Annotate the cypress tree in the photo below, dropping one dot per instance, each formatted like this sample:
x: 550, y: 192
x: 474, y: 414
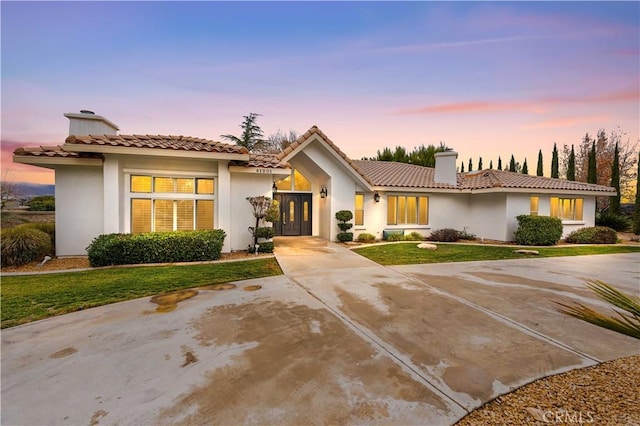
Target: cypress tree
x: 636, y: 212
x: 491, y: 164
x: 592, y: 169
x: 571, y: 167
x: 470, y: 165
x: 512, y: 164
x: 480, y: 163
x: 554, y: 162
x: 462, y: 168
x: 540, y: 170
x: 614, y: 204
x: 525, y: 168
x: 499, y: 163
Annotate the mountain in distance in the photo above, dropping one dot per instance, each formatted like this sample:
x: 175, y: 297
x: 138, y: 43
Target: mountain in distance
x: 26, y: 189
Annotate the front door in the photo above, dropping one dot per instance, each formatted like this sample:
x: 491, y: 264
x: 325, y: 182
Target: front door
x: 295, y: 214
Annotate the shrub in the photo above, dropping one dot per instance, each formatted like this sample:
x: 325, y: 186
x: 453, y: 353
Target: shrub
x: 43, y: 203
x: 538, y: 230
x: 343, y: 237
x: 344, y: 215
x: 46, y: 227
x: 265, y: 247
x: 395, y: 237
x: 593, y: 235
x: 365, y: 237
x: 155, y: 247
x: 22, y: 245
x: 446, y: 235
x: 265, y: 232
x: 614, y: 221
x: 466, y: 235
x: 414, y: 236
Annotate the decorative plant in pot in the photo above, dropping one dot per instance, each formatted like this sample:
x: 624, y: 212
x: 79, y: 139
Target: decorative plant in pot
x: 343, y: 217
x: 264, y: 210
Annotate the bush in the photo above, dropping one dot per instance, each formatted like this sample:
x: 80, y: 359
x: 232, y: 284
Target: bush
x: 395, y: 237
x: 265, y: 232
x: 446, y: 235
x: 344, y: 215
x: 617, y: 222
x: 414, y: 236
x: 22, y: 245
x: 466, y: 235
x: 343, y: 237
x: 265, y: 247
x: 43, y: 203
x: 365, y: 237
x: 538, y: 230
x: 155, y: 247
x: 593, y: 235
x: 46, y: 227
x: 344, y: 227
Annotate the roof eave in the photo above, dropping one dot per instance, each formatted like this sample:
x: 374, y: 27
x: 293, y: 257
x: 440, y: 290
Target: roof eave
x: 52, y: 162
x: 158, y: 152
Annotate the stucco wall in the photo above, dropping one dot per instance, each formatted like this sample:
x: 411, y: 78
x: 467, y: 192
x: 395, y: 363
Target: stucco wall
x: 244, y: 185
x: 79, y: 208
x: 487, y: 216
x: 517, y: 204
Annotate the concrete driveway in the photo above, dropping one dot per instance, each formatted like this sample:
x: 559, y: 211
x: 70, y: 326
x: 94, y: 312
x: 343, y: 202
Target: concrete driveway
x: 338, y: 340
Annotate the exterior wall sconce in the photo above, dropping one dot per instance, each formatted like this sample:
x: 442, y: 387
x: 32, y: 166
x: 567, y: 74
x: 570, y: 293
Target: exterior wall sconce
x: 323, y: 191
x: 376, y: 197
x: 274, y: 187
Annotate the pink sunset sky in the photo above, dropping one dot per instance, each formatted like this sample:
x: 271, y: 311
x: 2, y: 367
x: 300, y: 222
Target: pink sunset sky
x: 488, y: 79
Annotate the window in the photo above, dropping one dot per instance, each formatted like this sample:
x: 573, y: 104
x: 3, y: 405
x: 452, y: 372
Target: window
x: 403, y: 210
x: 567, y: 208
x: 299, y: 183
x: 535, y: 201
x: 163, y: 203
x: 359, y: 216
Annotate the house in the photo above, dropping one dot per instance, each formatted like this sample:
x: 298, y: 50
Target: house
x: 107, y: 183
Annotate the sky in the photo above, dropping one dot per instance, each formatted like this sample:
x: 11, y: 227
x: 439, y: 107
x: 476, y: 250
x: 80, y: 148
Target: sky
x: 488, y: 79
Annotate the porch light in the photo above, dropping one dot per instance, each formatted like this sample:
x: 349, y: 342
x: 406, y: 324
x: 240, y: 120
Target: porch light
x: 274, y: 187
x: 323, y: 191
x: 376, y: 197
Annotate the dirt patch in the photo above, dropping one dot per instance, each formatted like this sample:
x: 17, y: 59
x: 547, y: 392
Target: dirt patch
x: 169, y: 301
x: 63, y: 352
x: 95, y: 419
x: 444, y: 336
x: 55, y: 264
x: 252, y: 287
x: 293, y: 376
x: 217, y: 287
x: 189, y: 357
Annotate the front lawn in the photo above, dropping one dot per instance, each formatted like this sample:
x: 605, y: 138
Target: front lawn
x: 405, y: 253
x: 29, y: 298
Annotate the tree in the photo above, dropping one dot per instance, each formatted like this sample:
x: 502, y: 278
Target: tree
x: 261, y: 207
x: 525, y: 168
x: 512, y: 164
x: 480, y: 163
x: 614, y: 203
x: 277, y: 142
x: 491, y: 164
x: 421, y: 156
x: 42, y: 203
x: 592, y: 170
x: 470, y: 164
x: 499, y: 163
x: 252, y: 134
x: 571, y: 166
x: 636, y: 211
x: 540, y: 170
x: 554, y: 162
x: 462, y: 168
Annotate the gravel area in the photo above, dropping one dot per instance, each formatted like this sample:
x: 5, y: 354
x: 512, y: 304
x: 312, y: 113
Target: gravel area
x: 605, y: 394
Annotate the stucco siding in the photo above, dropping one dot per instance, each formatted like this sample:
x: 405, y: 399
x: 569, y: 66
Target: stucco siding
x: 244, y: 185
x: 79, y: 208
x: 517, y: 204
x: 488, y: 213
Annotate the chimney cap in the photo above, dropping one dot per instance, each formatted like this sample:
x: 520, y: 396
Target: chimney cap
x: 86, y: 111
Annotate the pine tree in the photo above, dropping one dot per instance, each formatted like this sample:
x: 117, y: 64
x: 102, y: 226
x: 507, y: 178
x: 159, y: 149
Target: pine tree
x: 592, y: 168
x: 252, y: 135
x: 525, y: 168
x: 554, y: 162
x: 491, y: 164
x: 480, y: 163
x: 636, y: 212
x: 470, y: 164
x: 499, y: 163
x: 461, y: 167
x: 512, y: 164
x: 540, y: 170
x: 614, y: 204
x: 571, y: 166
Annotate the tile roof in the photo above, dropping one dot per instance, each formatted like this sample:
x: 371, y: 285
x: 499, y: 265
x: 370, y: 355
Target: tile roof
x: 400, y: 175
x: 262, y: 161
x: 52, y: 151
x: 184, y: 143
x: 500, y: 178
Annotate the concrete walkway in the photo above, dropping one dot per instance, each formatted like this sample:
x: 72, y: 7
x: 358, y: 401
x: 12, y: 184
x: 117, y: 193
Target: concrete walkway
x: 338, y: 339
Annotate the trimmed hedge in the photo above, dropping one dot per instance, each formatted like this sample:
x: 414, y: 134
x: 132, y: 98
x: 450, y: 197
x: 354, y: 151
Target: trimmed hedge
x: 343, y: 237
x: 156, y: 247
x: 538, y: 230
x: 593, y: 235
x: 265, y: 232
x: 266, y: 247
x: 24, y: 244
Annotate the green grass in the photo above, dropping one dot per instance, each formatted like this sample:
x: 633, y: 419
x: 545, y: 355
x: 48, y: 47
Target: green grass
x: 29, y: 298
x: 404, y: 254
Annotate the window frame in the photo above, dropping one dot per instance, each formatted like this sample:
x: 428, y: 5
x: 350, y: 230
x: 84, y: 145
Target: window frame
x: 404, y: 205
x: 559, y: 205
x: 356, y: 210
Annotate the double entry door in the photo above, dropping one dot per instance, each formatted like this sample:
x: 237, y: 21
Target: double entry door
x: 295, y: 214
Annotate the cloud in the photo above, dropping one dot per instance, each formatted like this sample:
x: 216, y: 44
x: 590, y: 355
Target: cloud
x: 452, y: 44
x: 566, y: 122
x: 535, y: 105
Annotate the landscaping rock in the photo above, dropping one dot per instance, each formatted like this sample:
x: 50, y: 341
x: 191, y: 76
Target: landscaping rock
x: 532, y: 252
x: 427, y: 246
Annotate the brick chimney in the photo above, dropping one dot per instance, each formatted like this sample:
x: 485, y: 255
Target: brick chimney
x: 88, y: 123
x: 446, y: 167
